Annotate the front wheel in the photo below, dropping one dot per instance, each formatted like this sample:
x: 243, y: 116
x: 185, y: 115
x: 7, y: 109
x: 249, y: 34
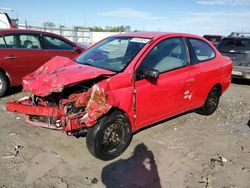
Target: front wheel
x: 211, y: 102
x: 110, y: 136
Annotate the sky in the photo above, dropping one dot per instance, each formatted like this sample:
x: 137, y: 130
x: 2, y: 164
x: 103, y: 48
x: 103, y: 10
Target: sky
x: 188, y: 16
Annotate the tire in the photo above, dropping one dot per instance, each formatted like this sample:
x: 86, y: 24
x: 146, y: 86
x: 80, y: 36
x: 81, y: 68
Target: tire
x: 110, y: 136
x: 3, y: 84
x: 211, y: 102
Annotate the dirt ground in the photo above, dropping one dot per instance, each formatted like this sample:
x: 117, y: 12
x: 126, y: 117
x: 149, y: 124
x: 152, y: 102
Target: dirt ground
x: 187, y: 151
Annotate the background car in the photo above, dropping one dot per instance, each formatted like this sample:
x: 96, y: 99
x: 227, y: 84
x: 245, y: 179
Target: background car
x: 23, y: 51
x: 237, y: 47
x: 214, y: 39
x: 122, y: 84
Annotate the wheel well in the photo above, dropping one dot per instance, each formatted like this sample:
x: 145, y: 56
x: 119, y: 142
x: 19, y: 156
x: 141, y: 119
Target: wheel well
x: 117, y: 109
x: 4, y: 72
x: 219, y: 87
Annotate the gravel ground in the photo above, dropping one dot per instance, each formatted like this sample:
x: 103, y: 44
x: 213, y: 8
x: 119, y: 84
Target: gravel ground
x: 186, y: 151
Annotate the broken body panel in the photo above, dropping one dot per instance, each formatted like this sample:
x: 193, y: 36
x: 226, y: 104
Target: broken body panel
x: 78, y: 110
x: 70, y: 96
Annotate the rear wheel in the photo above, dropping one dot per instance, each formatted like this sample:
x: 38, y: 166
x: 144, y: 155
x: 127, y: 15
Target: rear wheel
x: 3, y: 84
x: 211, y: 103
x: 110, y: 136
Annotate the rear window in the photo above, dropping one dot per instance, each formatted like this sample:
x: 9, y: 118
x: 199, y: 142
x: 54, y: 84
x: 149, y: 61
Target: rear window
x: 235, y: 44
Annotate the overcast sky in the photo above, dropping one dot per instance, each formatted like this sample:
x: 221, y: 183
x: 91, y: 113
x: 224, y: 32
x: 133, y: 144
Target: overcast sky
x: 190, y: 16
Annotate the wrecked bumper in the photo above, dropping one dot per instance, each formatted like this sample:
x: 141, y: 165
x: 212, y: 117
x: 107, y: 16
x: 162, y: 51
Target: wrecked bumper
x: 77, y: 112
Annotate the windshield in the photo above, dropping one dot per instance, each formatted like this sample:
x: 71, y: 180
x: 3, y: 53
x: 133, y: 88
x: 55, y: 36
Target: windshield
x: 235, y: 44
x: 114, y: 53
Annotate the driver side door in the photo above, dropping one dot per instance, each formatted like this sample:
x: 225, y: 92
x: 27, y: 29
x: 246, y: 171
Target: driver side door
x: 163, y: 97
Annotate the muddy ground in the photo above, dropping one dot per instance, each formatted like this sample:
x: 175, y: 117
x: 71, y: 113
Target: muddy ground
x: 186, y: 151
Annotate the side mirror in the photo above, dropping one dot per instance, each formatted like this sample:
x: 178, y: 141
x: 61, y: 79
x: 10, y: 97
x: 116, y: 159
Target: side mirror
x: 77, y: 50
x: 151, y: 73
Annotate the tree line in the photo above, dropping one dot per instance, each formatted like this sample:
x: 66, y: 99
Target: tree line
x: 121, y: 28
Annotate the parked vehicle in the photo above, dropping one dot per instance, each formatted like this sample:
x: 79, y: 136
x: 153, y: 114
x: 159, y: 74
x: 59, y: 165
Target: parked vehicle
x: 214, y: 39
x: 6, y: 22
x: 23, y: 51
x: 237, y: 47
x: 122, y: 84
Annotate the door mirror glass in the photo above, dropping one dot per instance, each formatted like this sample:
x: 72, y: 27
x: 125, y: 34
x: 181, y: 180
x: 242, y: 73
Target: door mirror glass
x: 151, y: 73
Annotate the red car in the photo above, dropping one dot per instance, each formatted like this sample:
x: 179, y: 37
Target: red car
x: 122, y: 84
x: 23, y: 51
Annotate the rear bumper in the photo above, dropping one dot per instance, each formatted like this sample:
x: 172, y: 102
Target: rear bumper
x: 241, y: 72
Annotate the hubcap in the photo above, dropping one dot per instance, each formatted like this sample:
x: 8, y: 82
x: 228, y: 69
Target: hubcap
x: 112, y: 137
x: 1, y: 84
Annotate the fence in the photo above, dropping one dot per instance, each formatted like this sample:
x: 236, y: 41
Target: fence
x: 78, y: 35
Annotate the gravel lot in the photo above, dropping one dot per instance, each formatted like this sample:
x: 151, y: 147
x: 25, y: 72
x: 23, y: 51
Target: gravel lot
x: 186, y: 151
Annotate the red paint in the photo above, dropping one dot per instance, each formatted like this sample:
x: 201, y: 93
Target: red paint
x: 144, y: 101
x: 54, y: 76
x: 16, y: 62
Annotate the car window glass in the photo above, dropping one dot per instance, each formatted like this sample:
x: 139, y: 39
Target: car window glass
x: 114, y: 53
x: 2, y: 43
x: 119, y: 46
x: 202, y: 50
x: 167, y: 55
x: 29, y: 42
x: 56, y: 44
x: 10, y: 42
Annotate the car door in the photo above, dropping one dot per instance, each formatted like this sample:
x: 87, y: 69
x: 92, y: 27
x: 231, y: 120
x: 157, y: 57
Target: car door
x: 171, y: 92
x: 22, y: 55
x: 58, y: 47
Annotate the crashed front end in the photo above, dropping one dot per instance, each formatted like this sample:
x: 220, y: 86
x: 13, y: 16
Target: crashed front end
x: 74, y: 114
x: 62, y: 102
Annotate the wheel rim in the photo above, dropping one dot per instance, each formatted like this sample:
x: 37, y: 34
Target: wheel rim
x: 112, y: 137
x: 1, y: 84
x: 213, y: 99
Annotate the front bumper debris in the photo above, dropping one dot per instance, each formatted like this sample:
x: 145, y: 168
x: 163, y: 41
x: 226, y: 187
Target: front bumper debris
x: 78, y: 111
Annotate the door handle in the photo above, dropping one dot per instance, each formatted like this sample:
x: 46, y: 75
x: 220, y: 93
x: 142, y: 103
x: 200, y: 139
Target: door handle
x: 10, y: 57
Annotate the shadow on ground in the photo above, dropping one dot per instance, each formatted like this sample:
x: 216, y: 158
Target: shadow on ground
x: 140, y: 170
x: 13, y: 90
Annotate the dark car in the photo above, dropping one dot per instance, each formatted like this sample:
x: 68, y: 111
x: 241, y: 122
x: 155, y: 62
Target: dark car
x: 237, y: 47
x: 123, y: 84
x: 23, y: 51
x: 214, y: 39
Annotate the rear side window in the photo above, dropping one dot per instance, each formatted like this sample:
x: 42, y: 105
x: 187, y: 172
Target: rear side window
x: 203, y: 51
x: 56, y: 43
x: 235, y: 44
x: 2, y: 43
x: 29, y: 42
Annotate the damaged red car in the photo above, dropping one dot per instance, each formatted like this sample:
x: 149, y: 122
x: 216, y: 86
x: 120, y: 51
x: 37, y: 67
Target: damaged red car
x: 122, y: 84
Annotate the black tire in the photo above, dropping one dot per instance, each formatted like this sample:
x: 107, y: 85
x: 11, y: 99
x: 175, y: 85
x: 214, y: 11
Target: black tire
x: 211, y: 102
x: 110, y: 136
x: 3, y: 84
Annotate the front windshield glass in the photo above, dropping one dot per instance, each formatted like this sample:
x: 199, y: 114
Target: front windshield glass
x: 113, y: 54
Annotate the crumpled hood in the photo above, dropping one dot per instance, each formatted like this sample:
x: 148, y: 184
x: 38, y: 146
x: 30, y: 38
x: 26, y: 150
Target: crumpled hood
x: 59, y: 73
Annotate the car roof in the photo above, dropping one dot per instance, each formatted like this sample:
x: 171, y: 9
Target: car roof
x: 155, y: 35
x: 5, y: 31
x: 11, y: 31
